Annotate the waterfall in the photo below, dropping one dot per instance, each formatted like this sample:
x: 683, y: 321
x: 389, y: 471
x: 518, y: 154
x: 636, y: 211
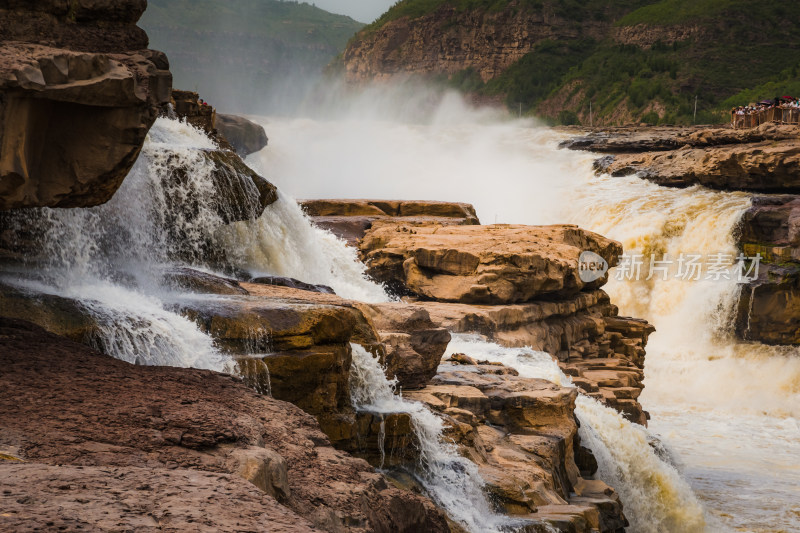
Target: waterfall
x: 655, y: 497
x: 111, y: 258
x: 283, y: 242
x: 451, y: 480
x: 729, y: 409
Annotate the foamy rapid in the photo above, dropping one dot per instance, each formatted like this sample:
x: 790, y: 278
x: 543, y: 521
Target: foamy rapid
x: 655, y: 497
x: 111, y: 258
x: 714, y: 399
x: 452, y: 481
x: 284, y: 243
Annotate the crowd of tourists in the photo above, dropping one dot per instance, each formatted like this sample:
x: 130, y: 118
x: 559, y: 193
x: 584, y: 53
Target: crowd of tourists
x: 781, y: 109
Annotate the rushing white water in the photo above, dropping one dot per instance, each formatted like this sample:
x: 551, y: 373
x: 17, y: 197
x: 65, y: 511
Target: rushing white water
x: 729, y: 409
x: 452, y: 481
x: 283, y: 242
x: 111, y: 258
x: 655, y: 497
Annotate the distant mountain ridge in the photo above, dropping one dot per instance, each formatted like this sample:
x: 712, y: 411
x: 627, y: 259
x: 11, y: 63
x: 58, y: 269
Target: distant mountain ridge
x: 246, y: 55
x: 582, y: 61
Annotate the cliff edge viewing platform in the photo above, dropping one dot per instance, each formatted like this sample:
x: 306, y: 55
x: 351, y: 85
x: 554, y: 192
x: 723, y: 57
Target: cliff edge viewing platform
x: 781, y: 110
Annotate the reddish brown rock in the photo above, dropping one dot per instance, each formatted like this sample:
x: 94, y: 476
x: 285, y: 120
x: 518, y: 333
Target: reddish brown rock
x: 413, y: 343
x: 78, y: 94
x: 179, y: 438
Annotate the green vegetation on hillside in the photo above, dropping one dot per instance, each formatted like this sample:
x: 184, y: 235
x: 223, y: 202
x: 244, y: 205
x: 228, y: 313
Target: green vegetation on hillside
x: 575, y: 9
x: 241, y: 53
x: 669, y: 12
x: 717, y: 53
x: 786, y: 84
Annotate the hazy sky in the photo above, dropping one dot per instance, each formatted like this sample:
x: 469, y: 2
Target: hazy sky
x: 361, y: 10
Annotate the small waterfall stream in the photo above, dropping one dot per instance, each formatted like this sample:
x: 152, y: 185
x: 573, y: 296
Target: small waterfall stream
x: 655, y: 497
x: 451, y: 480
x: 111, y: 259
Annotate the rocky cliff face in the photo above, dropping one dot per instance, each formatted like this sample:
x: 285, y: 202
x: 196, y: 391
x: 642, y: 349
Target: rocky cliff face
x: 78, y: 93
x: 450, y: 40
x: 585, y: 62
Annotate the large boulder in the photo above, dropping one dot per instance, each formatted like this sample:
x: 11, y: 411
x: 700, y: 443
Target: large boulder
x: 78, y: 94
x: 499, y: 264
x: 413, y: 344
x: 245, y: 136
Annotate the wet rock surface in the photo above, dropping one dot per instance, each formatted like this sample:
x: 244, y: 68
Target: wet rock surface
x: 768, y: 310
x: 239, y: 193
x: 78, y: 94
x: 602, y: 352
x: 186, y: 449
x: 522, y: 433
x: 292, y: 284
x: 769, y: 306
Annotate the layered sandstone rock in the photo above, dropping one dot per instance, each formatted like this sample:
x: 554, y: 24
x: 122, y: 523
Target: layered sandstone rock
x: 603, y: 353
x: 450, y: 39
x: 409, y: 344
x: 544, y: 304
x: 413, y: 343
x: 351, y: 219
x: 665, y: 138
x: 764, y: 167
x: 765, y: 159
x: 78, y: 94
x: 522, y: 434
x: 498, y: 264
x: 74, y: 456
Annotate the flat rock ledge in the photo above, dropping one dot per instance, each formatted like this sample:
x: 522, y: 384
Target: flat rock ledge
x: 764, y: 159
